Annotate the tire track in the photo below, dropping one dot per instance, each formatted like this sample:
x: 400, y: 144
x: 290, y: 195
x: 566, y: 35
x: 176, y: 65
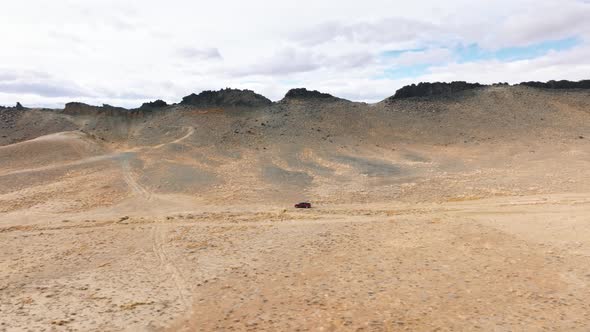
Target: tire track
x: 80, y: 162
x: 182, y: 288
x: 135, y: 187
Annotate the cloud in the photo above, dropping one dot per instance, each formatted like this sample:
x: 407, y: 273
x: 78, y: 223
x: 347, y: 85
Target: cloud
x: 570, y: 64
x: 41, y: 89
x: 289, y: 61
x: 106, y: 14
x: 66, y: 36
x: 507, y: 24
x: 200, y: 53
x: 352, y: 60
x: 425, y: 56
x: 395, y: 29
x: 547, y: 20
x: 38, y: 83
x: 286, y: 61
x: 7, y: 76
x: 125, y: 52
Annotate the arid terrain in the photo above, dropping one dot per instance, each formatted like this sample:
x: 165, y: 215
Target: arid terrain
x: 461, y: 211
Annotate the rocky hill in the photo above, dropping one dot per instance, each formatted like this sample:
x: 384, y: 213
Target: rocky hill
x: 561, y: 85
x: 154, y: 105
x: 426, y: 89
x: 433, y: 89
x: 226, y: 98
x: 76, y: 108
x: 304, y: 94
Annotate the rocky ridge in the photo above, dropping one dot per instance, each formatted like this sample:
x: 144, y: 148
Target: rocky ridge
x: 226, y: 98
x: 76, y: 108
x: 433, y: 89
x: 236, y: 98
x: 585, y: 84
x: 153, y: 105
x: 304, y: 94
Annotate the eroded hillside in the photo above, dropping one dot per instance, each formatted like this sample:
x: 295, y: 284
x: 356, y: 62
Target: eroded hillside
x: 498, y: 140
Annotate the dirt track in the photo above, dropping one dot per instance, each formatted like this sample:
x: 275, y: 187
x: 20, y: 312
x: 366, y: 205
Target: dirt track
x: 455, y: 266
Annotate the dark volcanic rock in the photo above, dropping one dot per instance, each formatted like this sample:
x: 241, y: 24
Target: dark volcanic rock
x: 19, y: 107
x: 75, y: 108
x: 585, y: 84
x: 9, y: 117
x: 154, y: 104
x: 226, y: 98
x: 433, y: 89
x: 303, y: 93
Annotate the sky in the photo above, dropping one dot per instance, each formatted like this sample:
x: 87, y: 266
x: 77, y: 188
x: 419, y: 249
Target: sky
x: 126, y: 52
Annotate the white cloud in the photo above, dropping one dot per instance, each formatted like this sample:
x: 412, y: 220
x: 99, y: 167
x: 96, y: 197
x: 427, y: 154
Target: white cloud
x: 38, y: 83
x: 429, y: 56
x: 572, y: 64
x: 286, y: 61
x: 541, y: 21
x: 126, y: 52
x: 200, y: 53
x: 388, y: 30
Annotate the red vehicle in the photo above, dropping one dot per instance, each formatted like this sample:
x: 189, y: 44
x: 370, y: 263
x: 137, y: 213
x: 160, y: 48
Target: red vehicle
x: 303, y: 205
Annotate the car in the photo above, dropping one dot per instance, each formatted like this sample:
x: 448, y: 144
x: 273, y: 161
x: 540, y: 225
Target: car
x: 303, y: 205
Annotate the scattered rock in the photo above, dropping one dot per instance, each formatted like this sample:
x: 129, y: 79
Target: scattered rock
x: 61, y: 322
x: 133, y: 305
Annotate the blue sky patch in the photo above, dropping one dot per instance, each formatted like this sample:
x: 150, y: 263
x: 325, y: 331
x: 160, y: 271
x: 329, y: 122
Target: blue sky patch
x: 474, y: 53
x: 397, y: 53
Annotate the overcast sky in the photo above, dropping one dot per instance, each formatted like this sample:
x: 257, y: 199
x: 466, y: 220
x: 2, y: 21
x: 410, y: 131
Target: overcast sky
x: 126, y: 52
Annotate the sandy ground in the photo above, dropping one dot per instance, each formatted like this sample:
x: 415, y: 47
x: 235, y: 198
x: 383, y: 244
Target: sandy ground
x: 503, y: 264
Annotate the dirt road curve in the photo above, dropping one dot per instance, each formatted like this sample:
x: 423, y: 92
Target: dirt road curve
x: 189, y: 132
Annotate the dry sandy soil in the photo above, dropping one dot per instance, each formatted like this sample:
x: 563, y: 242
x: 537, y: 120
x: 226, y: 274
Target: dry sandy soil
x: 469, y: 212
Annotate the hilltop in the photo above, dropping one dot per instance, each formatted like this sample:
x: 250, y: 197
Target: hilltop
x: 226, y: 98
